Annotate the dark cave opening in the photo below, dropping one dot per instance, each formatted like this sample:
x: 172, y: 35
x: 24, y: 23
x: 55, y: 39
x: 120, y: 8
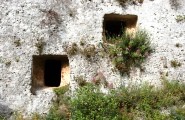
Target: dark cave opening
x: 52, y: 73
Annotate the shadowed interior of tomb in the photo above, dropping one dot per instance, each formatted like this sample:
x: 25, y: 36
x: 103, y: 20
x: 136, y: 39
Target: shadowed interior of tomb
x: 114, y: 28
x: 50, y: 71
x: 115, y: 24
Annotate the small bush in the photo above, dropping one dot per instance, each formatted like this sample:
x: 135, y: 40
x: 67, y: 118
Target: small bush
x: 129, y: 50
x: 91, y: 104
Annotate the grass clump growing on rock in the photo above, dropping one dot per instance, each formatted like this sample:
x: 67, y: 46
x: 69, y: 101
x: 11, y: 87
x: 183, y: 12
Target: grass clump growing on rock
x: 129, y: 51
x: 175, y: 64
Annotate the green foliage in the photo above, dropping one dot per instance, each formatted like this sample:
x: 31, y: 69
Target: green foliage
x: 91, y: 104
x: 178, y: 114
x: 124, y: 103
x: 2, y: 118
x: 129, y: 50
x: 61, y: 106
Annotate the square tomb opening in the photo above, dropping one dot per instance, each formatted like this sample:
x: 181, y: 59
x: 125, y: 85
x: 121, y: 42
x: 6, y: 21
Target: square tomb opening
x: 50, y: 71
x: 116, y: 25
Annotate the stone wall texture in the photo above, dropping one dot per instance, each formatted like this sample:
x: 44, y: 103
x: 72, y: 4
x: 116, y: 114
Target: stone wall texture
x: 56, y: 24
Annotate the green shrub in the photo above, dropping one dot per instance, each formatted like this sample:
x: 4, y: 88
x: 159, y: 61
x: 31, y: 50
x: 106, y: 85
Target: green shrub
x: 124, y: 103
x: 61, y: 106
x: 129, y: 50
x: 178, y: 114
x: 91, y: 104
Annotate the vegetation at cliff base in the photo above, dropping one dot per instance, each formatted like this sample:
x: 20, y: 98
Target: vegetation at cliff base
x: 144, y: 102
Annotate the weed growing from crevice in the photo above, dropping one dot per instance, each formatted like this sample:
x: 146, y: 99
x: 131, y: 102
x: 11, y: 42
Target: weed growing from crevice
x: 80, y: 81
x: 128, y: 51
x: 86, y: 50
x: 40, y: 45
x: 175, y: 64
x: 178, y: 45
x: 73, y: 49
x: 17, y: 43
x: 8, y: 63
x: 124, y: 3
x: 89, y: 51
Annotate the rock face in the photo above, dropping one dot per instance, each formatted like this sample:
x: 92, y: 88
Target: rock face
x: 5, y: 111
x: 46, y: 28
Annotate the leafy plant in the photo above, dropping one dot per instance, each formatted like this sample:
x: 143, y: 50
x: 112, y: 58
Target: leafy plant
x: 129, y: 50
x: 91, y: 104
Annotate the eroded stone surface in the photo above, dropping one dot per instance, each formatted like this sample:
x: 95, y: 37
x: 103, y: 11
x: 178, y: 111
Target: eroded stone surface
x: 57, y: 23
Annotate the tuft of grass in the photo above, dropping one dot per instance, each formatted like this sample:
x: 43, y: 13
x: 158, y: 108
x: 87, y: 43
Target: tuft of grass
x: 89, y: 51
x: 40, y: 46
x: 73, y: 49
x: 180, y: 18
x: 129, y: 51
x: 178, y: 45
x: 17, y: 43
x: 175, y: 63
x: 134, y: 2
x: 80, y: 81
x: 8, y: 63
